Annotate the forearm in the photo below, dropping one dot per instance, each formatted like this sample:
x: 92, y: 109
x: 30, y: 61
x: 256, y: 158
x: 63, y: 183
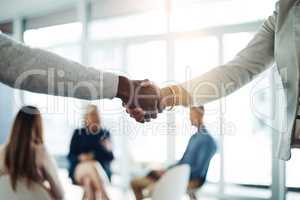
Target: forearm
x: 40, y: 71
x: 103, y: 154
x: 50, y: 171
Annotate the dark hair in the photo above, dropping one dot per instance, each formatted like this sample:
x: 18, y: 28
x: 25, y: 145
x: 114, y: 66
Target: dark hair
x: 20, y: 153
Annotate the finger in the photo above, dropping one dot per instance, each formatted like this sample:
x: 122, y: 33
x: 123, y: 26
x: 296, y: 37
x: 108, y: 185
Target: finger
x: 135, y: 113
x: 138, y: 114
x: 153, y: 115
x: 147, y: 117
x: 142, y: 121
x: 140, y: 118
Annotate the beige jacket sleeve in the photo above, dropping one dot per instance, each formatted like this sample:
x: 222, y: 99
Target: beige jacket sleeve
x: 256, y: 57
x: 40, y: 71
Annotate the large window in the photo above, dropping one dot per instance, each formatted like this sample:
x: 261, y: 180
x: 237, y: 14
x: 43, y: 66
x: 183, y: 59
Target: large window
x: 53, y: 35
x: 148, y: 60
x: 194, y: 57
x: 60, y: 115
x: 244, y: 134
x: 248, y: 145
x: 106, y: 56
x: 149, y: 23
x: 173, y: 44
x: 204, y: 14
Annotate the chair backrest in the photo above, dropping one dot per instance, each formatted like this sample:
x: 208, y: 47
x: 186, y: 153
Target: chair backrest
x: 36, y: 191
x: 173, y: 184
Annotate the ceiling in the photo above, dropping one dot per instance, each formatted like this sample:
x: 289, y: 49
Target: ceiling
x: 10, y: 9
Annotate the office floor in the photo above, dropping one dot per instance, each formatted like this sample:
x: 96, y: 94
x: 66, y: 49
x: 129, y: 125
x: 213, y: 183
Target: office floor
x: 208, y: 192
x: 73, y: 192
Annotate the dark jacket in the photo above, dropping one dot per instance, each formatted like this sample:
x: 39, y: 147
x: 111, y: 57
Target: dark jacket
x: 85, y: 142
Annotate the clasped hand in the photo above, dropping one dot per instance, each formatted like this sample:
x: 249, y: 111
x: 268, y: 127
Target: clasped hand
x: 141, y: 98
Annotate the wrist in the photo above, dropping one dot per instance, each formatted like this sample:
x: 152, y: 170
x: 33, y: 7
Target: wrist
x: 174, y: 95
x: 123, y: 89
x: 167, y: 97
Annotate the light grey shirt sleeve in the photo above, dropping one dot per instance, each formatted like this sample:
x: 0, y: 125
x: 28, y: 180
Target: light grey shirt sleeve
x: 40, y: 71
x: 257, y: 56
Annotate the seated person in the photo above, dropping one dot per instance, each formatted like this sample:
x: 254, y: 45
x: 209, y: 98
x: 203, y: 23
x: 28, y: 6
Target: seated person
x: 200, y: 150
x: 25, y: 157
x: 91, y: 155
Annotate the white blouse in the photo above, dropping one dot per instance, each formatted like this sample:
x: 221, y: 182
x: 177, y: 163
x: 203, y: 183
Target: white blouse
x: 47, y: 168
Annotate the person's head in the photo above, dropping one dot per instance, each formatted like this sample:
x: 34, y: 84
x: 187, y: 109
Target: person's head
x: 20, y: 152
x: 92, y: 119
x: 196, y: 116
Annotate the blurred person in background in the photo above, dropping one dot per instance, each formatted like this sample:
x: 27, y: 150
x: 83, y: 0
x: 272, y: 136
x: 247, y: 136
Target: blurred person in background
x: 198, y: 154
x: 25, y: 158
x: 91, y: 155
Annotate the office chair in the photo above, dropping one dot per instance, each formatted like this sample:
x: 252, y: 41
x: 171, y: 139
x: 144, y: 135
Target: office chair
x: 36, y: 191
x: 173, y: 184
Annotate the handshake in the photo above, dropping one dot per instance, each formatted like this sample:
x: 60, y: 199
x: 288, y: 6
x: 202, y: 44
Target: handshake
x: 143, y: 100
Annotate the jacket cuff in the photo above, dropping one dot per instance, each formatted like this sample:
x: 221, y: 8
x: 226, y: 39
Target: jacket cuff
x: 110, y: 85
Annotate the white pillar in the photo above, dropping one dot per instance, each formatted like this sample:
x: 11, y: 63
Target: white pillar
x: 84, y: 13
x: 221, y: 118
x: 18, y: 29
x: 7, y: 93
x: 278, y: 166
x: 171, y: 118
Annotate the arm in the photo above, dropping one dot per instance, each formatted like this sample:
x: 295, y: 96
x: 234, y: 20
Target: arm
x: 50, y: 173
x: 223, y: 80
x: 40, y: 71
x: 101, y: 153
x: 189, y: 153
x: 104, y: 150
x: 73, y: 153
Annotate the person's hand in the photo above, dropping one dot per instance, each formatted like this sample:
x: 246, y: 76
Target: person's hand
x: 141, y: 98
x: 156, y: 174
x: 107, y: 144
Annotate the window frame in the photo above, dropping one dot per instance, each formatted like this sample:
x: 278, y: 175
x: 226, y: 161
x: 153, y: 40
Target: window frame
x: 278, y: 167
